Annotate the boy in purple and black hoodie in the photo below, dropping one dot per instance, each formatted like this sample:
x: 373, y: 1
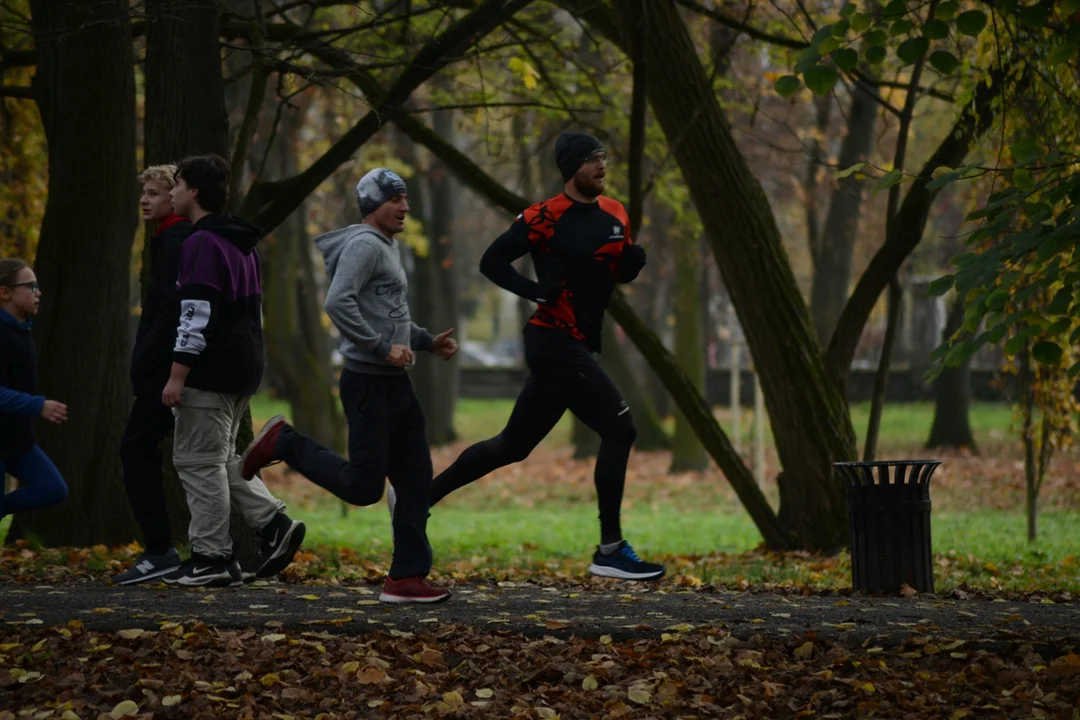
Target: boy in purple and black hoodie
x: 217, y: 367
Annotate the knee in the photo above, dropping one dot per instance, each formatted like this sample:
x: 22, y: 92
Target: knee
x: 56, y: 492
x: 506, y: 449
x: 363, y: 487
x: 622, y: 432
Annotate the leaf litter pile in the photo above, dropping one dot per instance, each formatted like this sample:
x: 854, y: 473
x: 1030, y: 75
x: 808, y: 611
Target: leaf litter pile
x: 188, y: 670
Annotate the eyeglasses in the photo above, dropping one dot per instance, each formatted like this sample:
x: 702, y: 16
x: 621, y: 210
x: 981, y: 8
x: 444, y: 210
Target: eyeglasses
x: 32, y: 285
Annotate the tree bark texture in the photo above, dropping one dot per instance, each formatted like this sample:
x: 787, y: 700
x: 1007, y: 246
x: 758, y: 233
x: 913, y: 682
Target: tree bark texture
x: 85, y: 88
x: 952, y: 396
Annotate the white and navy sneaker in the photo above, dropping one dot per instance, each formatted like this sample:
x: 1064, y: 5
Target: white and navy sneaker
x: 148, y: 567
x: 624, y: 564
x: 202, y: 571
x: 279, y: 541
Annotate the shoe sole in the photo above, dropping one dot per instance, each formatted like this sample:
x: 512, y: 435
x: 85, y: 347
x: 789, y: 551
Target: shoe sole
x: 401, y: 599
x: 255, y: 441
x: 212, y: 581
x: 610, y: 572
x: 285, y: 553
x: 144, y: 578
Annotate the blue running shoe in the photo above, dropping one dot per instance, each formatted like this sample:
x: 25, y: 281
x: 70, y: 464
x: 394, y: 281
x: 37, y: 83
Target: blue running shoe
x: 624, y: 564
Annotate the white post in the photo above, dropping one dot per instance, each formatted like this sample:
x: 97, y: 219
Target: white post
x: 736, y: 424
x: 759, y: 432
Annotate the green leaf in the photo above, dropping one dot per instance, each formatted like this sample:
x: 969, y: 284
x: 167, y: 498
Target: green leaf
x: 828, y: 46
x: 820, y: 79
x: 1070, y: 6
x: 935, y: 30
x: 821, y: 36
x: 806, y: 59
x: 840, y: 29
x: 874, y: 55
x: 959, y: 353
x: 1061, y: 302
x: 861, y: 22
x: 1059, y: 327
x: 1074, y: 369
x: 1025, y: 150
x: 848, y: 10
x: 875, y: 38
x: 846, y: 59
x: 971, y: 22
x: 1075, y: 337
x: 841, y: 174
x: 901, y: 27
x: 997, y: 300
x: 1034, y: 16
x: 944, y: 62
x: 997, y: 332
x: 895, y: 9
x: 943, y: 180
x: 891, y: 178
x: 946, y: 11
x: 1062, y: 54
x: 1015, y: 344
x: 1047, y: 353
x: 787, y: 86
x: 941, y: 285
x: 912, y: 49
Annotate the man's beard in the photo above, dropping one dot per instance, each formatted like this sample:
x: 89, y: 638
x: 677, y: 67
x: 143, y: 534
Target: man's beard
x: 587, y: 186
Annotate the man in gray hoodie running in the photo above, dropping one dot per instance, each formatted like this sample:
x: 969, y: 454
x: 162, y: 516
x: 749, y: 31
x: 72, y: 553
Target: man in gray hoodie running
x: 367, y: 302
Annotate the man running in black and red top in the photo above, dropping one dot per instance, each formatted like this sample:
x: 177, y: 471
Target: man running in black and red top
x: 580, y: 246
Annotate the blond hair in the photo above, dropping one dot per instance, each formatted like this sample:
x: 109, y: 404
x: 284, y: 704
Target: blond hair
x: 164, y: 174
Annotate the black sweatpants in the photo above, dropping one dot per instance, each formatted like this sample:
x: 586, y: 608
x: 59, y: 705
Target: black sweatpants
x: 563, y: 375
x: 387, y: 439
x: 148, y: 424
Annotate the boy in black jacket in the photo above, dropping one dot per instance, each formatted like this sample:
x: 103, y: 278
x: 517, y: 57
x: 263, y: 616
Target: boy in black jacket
x: 217, y: 365
x: 150, y: 422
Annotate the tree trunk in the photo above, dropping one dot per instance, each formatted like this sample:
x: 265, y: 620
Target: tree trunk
x: 881, y: 379
x: 809, y: 412
x: 650, y: 430
x: 952, y: 396
x: 85, y: 89
x: 833, y: 254
x: 297, y: 344
x: 687, y: 452
x: 185, y: 115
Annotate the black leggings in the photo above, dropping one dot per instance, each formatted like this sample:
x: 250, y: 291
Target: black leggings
x: 564, y: 375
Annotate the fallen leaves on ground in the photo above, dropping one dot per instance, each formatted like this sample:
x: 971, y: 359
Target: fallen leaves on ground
x: 189, y: 670
x: 757, y: 570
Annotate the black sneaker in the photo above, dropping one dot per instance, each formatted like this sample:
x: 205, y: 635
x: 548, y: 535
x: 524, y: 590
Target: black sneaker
x: 148, y: 567
x: 202, y: 571
x: 280, y: 540
x: 624, y: 564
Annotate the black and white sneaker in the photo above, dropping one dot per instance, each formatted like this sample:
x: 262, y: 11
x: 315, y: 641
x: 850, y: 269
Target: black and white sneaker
x: 280, y: 540
x: 624, y: 564
x: 148, y: 567
x: 202, y: 571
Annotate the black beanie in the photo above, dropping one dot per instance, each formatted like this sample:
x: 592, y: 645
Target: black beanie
x: 572, y: 149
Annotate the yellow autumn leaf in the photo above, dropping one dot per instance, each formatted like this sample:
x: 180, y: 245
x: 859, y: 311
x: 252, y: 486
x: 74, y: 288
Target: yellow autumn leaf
x: 605, y: 639
x: 866, y: 687
x: 170, y: 700
x: 270, y: 680
x: 131, y: 634
x: 245, y: 675
x: 128, y: 707
x: 805, y: 651
x: 70, y: 715
x: 38, y: 645
x: 484, y: 693
x: 8, y: 647
x: 453, y: 699
x: 639, y: 695
x: 351, y: 667
x: 589, y: 683
x: 309, y: 597
x: 546, y: 713
x: 273, y: 638
x: 681, y: 627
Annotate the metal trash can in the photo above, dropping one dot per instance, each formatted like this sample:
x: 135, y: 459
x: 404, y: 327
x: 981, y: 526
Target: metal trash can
x: 889, y: 512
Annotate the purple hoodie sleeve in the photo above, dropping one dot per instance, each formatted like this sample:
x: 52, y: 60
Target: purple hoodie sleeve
x: 200, y: 288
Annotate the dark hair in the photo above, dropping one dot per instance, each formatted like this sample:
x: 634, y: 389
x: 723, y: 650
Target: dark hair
x: 209, y: 174
x: 10, y: 269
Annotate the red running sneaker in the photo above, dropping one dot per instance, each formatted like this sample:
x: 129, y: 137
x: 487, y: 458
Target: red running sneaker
x: 412, y: 590
x: 260, y: 452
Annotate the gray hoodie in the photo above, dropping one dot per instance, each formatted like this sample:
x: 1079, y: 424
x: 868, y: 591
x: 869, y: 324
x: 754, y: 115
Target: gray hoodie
x: 368, y: 298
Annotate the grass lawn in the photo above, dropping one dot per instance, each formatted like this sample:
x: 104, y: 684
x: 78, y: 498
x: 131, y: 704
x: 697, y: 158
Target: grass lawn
x: 542, y: 514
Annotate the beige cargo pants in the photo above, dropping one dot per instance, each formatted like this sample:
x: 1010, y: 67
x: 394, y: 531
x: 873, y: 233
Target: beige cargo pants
x: 204, y: 453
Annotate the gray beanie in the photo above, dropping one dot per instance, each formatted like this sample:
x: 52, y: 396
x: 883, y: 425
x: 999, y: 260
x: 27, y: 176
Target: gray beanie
x: 377, y: 187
